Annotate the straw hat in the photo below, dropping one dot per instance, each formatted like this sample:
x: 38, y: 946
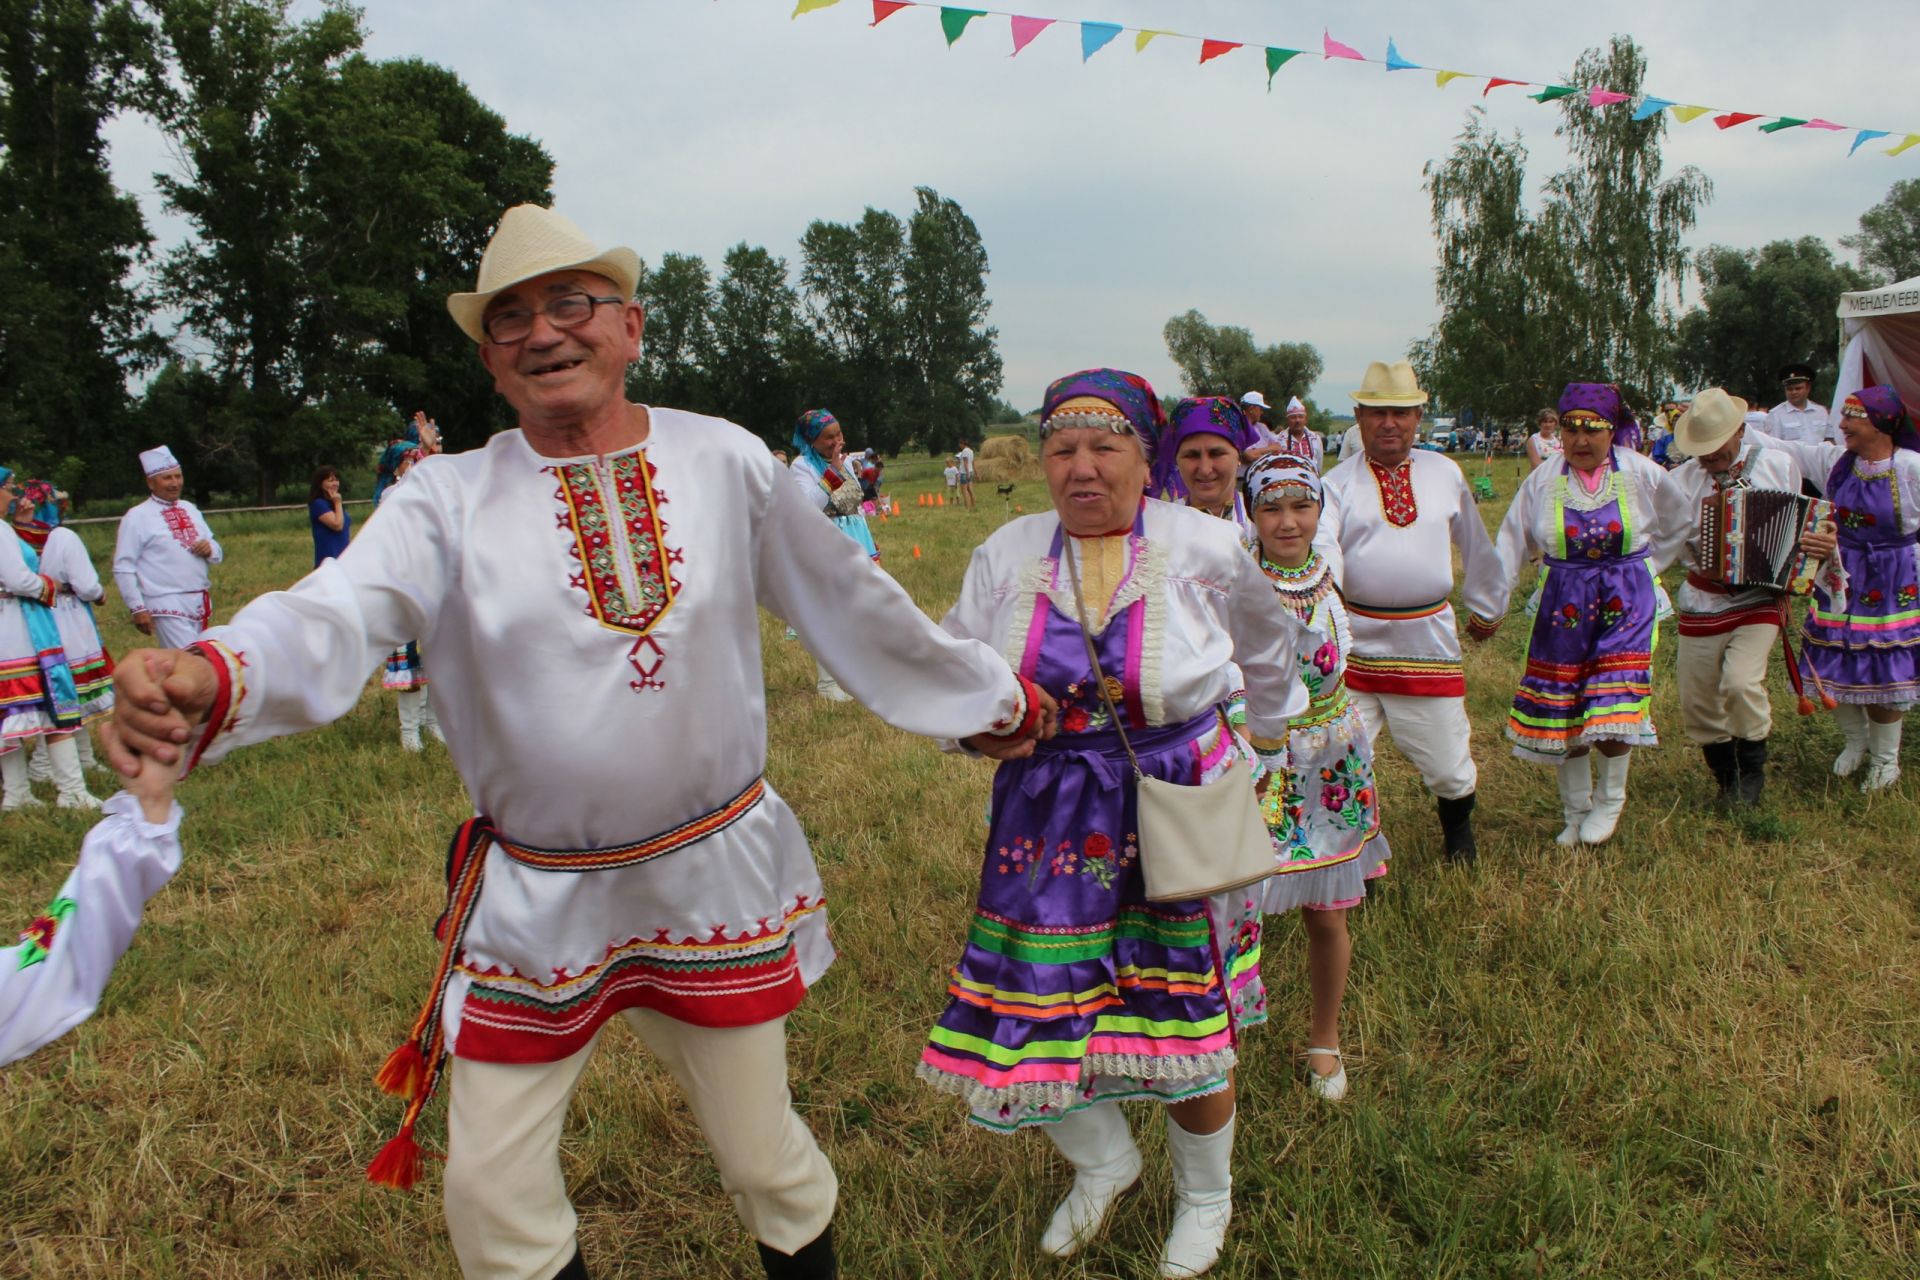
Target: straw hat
x: 1390, y: 386
x: 532, y: 241
x: 1708, y: 423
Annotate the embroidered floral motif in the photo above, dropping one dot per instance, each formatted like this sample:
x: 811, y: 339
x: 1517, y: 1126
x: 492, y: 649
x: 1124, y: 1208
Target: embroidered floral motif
x: 1396, y: 493
x: 37, y: 938
x: 1909, y: 596
x: 1083, y: 710
x: 626, y: 567
x: 1848, y: 518
x: 1097, y: 856
x: 180, y: 525
x: 1347, y: 790
x: 1591, y: 538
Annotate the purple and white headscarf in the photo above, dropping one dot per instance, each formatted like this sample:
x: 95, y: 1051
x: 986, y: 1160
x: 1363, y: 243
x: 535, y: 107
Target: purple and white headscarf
x: 1131, y: 395
x: 1603, y: 400
x: 1199, y: 416
x: 1887, y: 413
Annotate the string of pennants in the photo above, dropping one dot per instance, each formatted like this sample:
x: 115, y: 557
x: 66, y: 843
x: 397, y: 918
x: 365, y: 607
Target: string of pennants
x: 1096, y: 36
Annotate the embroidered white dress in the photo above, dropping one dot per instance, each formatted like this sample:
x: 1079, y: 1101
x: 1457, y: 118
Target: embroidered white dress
x: 156, y: 570
x: 65, y: 560
x: 596, y: 643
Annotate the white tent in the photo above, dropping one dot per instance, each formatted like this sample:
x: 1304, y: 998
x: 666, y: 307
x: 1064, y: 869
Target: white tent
x: 1880, y: 341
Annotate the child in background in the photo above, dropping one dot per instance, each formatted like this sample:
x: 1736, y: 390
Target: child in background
x: 953, y: 476
x: 51, y: 982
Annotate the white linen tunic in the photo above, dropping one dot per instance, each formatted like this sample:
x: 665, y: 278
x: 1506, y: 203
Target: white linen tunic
x: 153, y: 565
x: 596, y: 648
x: 1659, y: 517
x: 1759, y: 468
x: 1398, y: 578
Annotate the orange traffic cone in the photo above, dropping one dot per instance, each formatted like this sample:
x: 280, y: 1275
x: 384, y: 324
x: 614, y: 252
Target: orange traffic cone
x: 916, y: 551
x: 940, y: 500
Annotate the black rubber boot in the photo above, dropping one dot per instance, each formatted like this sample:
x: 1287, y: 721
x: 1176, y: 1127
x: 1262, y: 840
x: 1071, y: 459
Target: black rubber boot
x: 1456, y: 828
x: 1751, y: 755
x: 574, y: 1270
x: 1726, y: 770
x: 813, y: 1261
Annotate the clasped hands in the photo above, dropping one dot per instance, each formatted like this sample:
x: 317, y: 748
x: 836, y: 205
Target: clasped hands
x: 1045, y: 725
x: 160, y: 696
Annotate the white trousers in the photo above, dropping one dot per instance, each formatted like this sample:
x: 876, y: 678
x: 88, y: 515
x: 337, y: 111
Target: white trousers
x: 1431, y: 732
x: 1723, y: 684
x: 506, y: 1201
x: 174, y: 633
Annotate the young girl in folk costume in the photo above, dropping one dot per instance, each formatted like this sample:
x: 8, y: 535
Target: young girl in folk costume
x: 63, y: 557
x: 1326, y: 819
x: 821, y: 469
x: 406, y: 671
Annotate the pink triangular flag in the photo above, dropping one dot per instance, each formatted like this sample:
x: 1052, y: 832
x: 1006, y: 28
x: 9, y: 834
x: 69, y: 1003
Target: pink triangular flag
x: 1825, y: 124
x: 1334, y: 49
x: 1605, y: 97
x: 1025, y: 29
x: 1211, y: 49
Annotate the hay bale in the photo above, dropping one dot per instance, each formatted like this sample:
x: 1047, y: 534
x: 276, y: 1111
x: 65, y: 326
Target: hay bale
x: 1004, y: 459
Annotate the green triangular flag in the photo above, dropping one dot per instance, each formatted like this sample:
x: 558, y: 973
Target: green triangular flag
x: 1276, y: 59
x: 954, y: 21
x: 1551, y: 92
x: 1784, y: 122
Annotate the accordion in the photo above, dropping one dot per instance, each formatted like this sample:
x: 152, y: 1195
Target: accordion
x: 1751, y: 538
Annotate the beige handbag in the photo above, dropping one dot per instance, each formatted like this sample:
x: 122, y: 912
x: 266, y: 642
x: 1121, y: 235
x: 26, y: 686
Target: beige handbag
x: 1194, y: 841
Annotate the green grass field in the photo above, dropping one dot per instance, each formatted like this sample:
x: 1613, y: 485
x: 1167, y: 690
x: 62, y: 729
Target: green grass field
x: 1691, y: 1053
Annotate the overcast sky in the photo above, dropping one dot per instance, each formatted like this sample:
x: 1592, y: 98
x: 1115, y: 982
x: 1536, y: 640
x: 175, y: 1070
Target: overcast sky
x: 1115, y: 194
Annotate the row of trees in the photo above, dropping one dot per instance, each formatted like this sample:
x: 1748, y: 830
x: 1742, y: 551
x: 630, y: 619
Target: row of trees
x: 333, y: 202
x: 1224, y: 360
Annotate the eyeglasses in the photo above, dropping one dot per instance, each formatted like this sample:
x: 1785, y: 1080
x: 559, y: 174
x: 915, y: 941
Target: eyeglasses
x: 568, y: 311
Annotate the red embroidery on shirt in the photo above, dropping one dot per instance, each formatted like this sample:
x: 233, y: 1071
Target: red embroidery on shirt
x: 626, y: 564
x: 1396, y: 492
x: 180, y: 525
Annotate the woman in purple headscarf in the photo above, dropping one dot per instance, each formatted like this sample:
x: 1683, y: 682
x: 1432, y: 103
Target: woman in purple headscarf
x: 1199, y: 459
x: 1074, y: 992
x: 1862, y: 635
x: 1606, y: 520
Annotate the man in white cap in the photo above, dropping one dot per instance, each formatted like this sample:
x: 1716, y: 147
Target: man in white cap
x: 1297, y: 440
x: 1393, y: 516
x: 1727, y: 634
x: 161, y: 556
x: 597, y: 662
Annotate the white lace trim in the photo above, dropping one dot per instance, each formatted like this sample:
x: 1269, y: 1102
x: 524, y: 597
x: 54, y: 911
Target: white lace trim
x: 1033, y: 581
x: 1576, y: 497
x: 1197, y: 1069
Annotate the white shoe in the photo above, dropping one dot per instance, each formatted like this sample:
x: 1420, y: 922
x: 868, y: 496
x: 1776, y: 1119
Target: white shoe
x: 1883, y: 756
x: 1609, y: 798
x: 1332, y: 1086
x: 1202, y: 1199
x: 1853, y: 728
x: 429, y: 721
x: 64, y: 756
x: 1576, y: 797
x: 15, y: 791
x: 1106, y: 1165
x: 39, y: 767
x: 827, y: 687
x: 88, y: 762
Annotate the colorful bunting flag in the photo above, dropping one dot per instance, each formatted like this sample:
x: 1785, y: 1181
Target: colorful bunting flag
x: 1332, y: 48
x: 1650, y: 107
x: 1606, y: 97
x: 1397, y: 63
x: 1095, y: 36
x: 1865, y: 135
x: 884, y: 9
x: 1025, y: 29
x: 1687, y: 115
x: 1443, y: 78
x: 1551, y: 92
x: 1784, y: 122
x: 954, y: 21
x: 1910, y: 140
x: 808, y: 6
x: 1211, y: 49
x: 1732, y: 118
x: 1826, y: 124
x: 1494, y: 82
x: 1276, y: 59
x: 1145, y: 38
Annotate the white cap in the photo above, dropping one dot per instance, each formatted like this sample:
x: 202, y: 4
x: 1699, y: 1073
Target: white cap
x: 1255, y: 399
x: 154, y: 461
x: 1294, y: 406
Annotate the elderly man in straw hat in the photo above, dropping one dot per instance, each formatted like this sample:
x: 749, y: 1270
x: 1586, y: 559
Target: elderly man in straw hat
x: 1727, y: 634
x: 1393, y: 516
x: 588, y: 585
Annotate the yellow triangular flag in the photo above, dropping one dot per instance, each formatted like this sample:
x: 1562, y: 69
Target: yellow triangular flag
x: 1145, y: 38
x: 1911, y: 139
x: 1441, y: 78
x: 1686, y: 115
x: 808, y: 6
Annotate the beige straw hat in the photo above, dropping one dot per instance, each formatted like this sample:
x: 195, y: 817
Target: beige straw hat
x: 1390, y: 386
x: 1708, y: 423
x: 532, y: 241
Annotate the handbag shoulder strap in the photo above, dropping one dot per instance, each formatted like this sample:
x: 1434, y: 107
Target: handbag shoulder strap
x: 1086, y: 638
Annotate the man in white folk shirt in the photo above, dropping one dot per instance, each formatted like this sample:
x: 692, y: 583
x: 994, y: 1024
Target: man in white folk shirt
x: 161, y: 557
x: 597, y: 663
x: 1297, y: 440
x: 1393, y: 516
x: 1727, y: 634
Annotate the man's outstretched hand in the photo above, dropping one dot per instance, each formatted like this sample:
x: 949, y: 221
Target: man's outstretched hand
x: 159, y: 696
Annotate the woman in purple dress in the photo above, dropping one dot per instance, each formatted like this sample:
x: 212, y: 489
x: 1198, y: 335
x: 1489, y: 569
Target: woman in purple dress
x: 1862, y: 635
x: 1074, y: 992
x: 1606, y: 520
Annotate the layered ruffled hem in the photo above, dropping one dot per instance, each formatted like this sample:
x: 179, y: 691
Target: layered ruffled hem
x: 1556, y: 750
x: 1102, y: 1078
x: 1334, y: 887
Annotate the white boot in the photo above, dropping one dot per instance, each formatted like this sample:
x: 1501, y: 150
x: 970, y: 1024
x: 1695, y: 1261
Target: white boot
x: 410, y: 700
x: 65, y: 757
x: 429, y: 721
x: 828, y: 687
x: 1202, y: 1198
x: 84, y: 741
x: 1576, y: 796
x: 1106, y: 1165
x: 1853, y: 727
x: 39, y: 767
x: 1609, y: 798
x: 15, y: 791
x: 1883, y: 755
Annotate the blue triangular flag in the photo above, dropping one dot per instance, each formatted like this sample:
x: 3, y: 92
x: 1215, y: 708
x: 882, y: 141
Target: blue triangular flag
x: 1650, y: 107
x: 1864, y: 136
x: 1095, y: 36
x: 1397, y: 63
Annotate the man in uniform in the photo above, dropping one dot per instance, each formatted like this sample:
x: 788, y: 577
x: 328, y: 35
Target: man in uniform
x: 161, y: 556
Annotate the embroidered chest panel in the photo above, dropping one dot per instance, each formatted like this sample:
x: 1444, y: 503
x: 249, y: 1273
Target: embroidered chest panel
x: 611, y: 516
x: 1396, y: 493
x: 180, y: 526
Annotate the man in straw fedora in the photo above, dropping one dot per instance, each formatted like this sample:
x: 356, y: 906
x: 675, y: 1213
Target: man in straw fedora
x: 1727, y: 633
x: 588, y: 585
x: 1394, y: 515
